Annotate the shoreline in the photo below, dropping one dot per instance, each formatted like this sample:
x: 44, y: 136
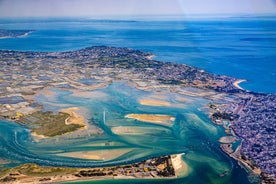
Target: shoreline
x: 34, y: 173
x: 226, y: 147
x: 158, y: 118
x: 74, y: 117
x: 181, y: 168
x: 237, y: 82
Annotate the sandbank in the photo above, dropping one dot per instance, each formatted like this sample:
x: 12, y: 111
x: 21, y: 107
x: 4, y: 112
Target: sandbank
x: 237, y: 82
x: 125, y: 130
x: 104, y: 155
x: 181, y: 168
x: 150, y: 102
x: 182, y: 99
x: 153, y: 118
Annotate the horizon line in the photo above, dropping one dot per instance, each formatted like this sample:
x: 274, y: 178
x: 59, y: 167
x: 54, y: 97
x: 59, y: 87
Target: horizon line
x: 195, y: 15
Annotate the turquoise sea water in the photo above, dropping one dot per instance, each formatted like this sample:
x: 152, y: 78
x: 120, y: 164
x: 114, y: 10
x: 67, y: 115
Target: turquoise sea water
x: 191, y: 133
x: 241, y: 47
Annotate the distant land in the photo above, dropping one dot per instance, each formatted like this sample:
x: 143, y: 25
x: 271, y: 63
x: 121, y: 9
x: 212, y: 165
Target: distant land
x: 14, y: 33
x: 245, y: 116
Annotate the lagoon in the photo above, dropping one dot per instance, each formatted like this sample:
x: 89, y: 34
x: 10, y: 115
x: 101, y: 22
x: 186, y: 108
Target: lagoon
x: 191, y: 133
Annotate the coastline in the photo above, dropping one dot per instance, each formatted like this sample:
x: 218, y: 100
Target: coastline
x: 153, y: 118
x: 181, y: 168
x: 226, y: 143
x: 164, y: 167
x: 74, y: 117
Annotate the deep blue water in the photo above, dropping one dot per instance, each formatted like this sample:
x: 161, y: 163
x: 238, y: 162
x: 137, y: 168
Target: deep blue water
x: 243, y: 48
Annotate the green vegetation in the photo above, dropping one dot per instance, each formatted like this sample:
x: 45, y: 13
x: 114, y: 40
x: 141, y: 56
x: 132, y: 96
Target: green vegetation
x: 50, y: 124
x: 36, y: 170
x: 3, y: 171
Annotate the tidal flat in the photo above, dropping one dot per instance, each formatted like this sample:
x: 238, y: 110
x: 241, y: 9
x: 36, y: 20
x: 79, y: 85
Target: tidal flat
x: 115, y: 136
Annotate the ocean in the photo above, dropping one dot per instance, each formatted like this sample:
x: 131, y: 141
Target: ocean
x: 240, y: 47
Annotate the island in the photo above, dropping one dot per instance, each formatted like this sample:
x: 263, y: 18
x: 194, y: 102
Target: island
x: 246, y: 116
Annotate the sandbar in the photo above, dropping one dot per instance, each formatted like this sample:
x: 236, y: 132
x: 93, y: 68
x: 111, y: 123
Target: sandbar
x: 108, y: 154
x: 126, y: 130
x: 150, y: 102
x: 153, y: 118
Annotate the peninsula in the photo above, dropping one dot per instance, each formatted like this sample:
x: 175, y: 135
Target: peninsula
x: 247, y: 116
x: 14, y: 33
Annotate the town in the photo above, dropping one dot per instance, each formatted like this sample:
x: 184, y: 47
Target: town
x: 252, y: 119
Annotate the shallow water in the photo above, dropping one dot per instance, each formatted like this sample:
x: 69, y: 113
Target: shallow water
x: 192, y: 133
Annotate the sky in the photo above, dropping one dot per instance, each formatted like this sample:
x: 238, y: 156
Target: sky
x: 76, y: 8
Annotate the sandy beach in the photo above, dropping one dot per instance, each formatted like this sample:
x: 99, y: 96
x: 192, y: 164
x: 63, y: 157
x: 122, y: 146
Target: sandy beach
x: 153, y: 118
x: 74, y: 117
x: 237, y: 82
x: 180, y: 167
x: 37, y: 136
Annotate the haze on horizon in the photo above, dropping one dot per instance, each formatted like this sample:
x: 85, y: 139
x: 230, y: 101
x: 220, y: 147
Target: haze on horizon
x: 77, y: 8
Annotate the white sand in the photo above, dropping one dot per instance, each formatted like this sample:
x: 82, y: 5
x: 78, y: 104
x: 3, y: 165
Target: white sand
x: 153, y: 118
x: 180, y: 167
x: 151, y: 102
x: 237, y: 82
